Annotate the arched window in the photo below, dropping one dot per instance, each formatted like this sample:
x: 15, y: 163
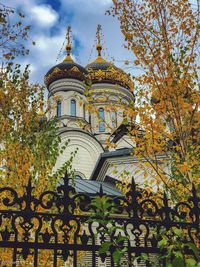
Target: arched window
x: 73, y: 107
x: 58, y: 111
x: 84, y: 110
x: 114, y: 118
x: 79, y: 175
x: 101, y: 120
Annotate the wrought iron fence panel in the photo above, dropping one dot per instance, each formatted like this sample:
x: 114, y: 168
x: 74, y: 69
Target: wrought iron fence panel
x: 59, y: 221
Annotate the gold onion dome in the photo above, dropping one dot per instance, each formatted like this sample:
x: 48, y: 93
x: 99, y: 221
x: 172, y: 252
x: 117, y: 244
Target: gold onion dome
x: 102, y: 71
x: 66, y: 69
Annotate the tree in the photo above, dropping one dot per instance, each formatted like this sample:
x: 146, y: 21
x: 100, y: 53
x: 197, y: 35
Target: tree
x: 12, y: 33
x: 164, y: 38
x: 29, y: 143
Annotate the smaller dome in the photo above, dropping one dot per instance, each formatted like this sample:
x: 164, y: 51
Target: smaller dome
x: 66, y: 69
x: 99, y: 63
x: 102, y: 71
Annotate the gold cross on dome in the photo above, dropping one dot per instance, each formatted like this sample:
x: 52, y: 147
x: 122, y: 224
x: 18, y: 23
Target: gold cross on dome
x: 68, y: 46
x: 98, y: 34
x: 68, y: 35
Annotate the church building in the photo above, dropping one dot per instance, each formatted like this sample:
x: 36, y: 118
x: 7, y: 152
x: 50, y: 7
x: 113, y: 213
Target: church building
x: 95, y: 162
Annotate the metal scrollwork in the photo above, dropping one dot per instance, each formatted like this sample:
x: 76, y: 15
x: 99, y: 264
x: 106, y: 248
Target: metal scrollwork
x: 60, y: 221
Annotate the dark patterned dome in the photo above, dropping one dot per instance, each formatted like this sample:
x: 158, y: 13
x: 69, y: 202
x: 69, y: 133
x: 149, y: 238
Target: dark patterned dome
x: 99, y: 63
x: 66, y: 69
x: 102, y: 71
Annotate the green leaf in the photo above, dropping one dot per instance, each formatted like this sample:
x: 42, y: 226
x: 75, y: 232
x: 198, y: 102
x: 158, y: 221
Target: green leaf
x: 170, y: 248
x: 113, y: 210
x: 178, y: 254
x: 190, y: 263
x: 162, y: 243
x: 121, y: 238
x: 145, y: 256
x: 117, y: 255
x: 178, y: 262
x: 194, y: 249
x: 177, y: 231
x: 105, y: 247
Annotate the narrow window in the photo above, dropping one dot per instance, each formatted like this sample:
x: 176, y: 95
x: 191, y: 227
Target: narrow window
x: 58, y: 112
x: 89, y: 118
x: 84, y: 110
x: 73, y: 107
x: 114, y: 118
x: 101, y: 120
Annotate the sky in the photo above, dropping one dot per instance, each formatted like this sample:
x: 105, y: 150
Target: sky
x: 49, y: 20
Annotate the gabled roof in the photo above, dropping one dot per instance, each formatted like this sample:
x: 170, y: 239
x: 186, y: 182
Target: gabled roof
x: 110, y: 154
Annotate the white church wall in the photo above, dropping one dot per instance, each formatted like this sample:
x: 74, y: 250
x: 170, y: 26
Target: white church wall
x: 107, y: 96
x: 65, y: 90
x: 65, y: 98
x: 125, y: 141
x: 88, y: 152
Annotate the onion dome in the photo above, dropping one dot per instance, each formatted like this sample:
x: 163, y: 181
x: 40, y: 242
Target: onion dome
x: 102, y: 71
x: 66, y: 69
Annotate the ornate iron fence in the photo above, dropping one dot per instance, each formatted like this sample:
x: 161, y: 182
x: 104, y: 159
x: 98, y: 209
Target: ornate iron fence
x: 58, y: 224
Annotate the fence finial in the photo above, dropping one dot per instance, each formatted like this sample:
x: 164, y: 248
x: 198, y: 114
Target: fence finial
x: 101, y: 190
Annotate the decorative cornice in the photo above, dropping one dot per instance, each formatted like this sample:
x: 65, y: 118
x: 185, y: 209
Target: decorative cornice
x: 111, y: 89
x: 58, y: 73
x: 75, y: 69
x: 63, y: 85
x: 111, y: 74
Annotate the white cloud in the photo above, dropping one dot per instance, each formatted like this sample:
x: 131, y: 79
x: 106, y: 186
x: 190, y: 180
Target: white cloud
x: 86, y: 16
x: 47, y: 49
x: 43, y: 56
x: 49, y: 30
x: 37, y: 14
x: 43, y: 15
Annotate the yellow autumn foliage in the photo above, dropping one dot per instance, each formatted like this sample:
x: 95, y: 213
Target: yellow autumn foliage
x: 164, y: 38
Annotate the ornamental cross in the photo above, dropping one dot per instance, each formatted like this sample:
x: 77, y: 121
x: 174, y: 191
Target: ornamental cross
x: 68, y: 35
x: 99, y: 29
